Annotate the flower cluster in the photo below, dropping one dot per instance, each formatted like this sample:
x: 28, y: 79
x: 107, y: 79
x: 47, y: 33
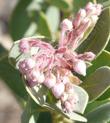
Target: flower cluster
x: 74, y: 30
x: 53, y: 67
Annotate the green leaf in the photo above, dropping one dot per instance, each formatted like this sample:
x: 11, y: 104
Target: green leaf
x: 108, y: 46
x: 20, y: 20
x: 30, y: 113
x: 12, y: 78
x: 106, y: 95
x: 2, y: 49
x: 45, y: 117
x: 53, y: 17
x: 97, y: 83
x: 99, y: 37
x: 102, y: 60
x: 62, y: 4
x: 43, y: 25
x: 100, y: 115
x: 93, y: 105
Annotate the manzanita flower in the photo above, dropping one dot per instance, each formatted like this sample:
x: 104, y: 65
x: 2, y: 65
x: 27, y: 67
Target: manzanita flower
x: 75, y: 29
x: 53, y: 67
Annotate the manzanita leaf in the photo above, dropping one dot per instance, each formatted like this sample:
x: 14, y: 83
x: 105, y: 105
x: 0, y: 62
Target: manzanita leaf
x: 20, y: 20
x: 12, y: 78
x: 43, y: 25
x: 31, y: 112
x: 100, y: 114
x: 45, y: 117
x: 105, y: 95
x: 102, y: 60
x: 97, y: 83
x: 99, y: 37
x: 63, y: 4
x: 93, y: 105
x: 53, y: 17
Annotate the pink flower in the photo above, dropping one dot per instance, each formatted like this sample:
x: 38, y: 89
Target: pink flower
x: 68, y: 106
x: 24, y: 46
x: 53, y: 67
x: 79, y: 17
x: 50, y: 81
x: 35, y: 76
x: 87, y: 56
x: 84, y: 19
x: 80, y: 67
x: 58, y: 90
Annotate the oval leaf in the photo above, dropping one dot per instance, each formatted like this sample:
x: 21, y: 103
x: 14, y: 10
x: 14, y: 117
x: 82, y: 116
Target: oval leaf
x: 100, y: 115
x: 97, y: 83
x: 20, y: 20
x: 63, y: 4
x: 53, y: 17
x: 43, y: 25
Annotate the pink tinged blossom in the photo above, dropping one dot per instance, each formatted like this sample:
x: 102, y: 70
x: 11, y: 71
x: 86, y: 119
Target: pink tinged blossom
x: 68, y: 106
x: 50, y: 81
x: 93, y: 9
x: 90, y: 8
x: 24, y: 46
x: 73, y: 99
x: 64, y: 97
x: 79, y: 17
x: 87, y: 56
x: 83, y: 27
x: 26, y: 65
x: 66, y: 26
x: 35, y: 76
x: 69, y: 88
x: 30, y: 63
x: 99, y: 9
x: 22, y: 67
x: 65, y: 79
x: 58, y: 90
x: 80, y: 67
x: 94, y: 19
x: 31, y: 83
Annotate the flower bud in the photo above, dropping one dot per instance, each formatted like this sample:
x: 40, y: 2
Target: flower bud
x: 68, y: 106
x: 99, y: 9
x: 79, y: 17
x: 58, y: 90
x: 22, y: 67
x: 66, y: 25
x: 80, y: 67
x: 87, y: 56
x: 35, y: 76
x: 69, y: 88
x: 94, y: 19
x: 73, y: 99
x: 50, y: 81
x: 89, y: 5
x: 64, y: 97
x: 30, y: 63
x: 24, y: 46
